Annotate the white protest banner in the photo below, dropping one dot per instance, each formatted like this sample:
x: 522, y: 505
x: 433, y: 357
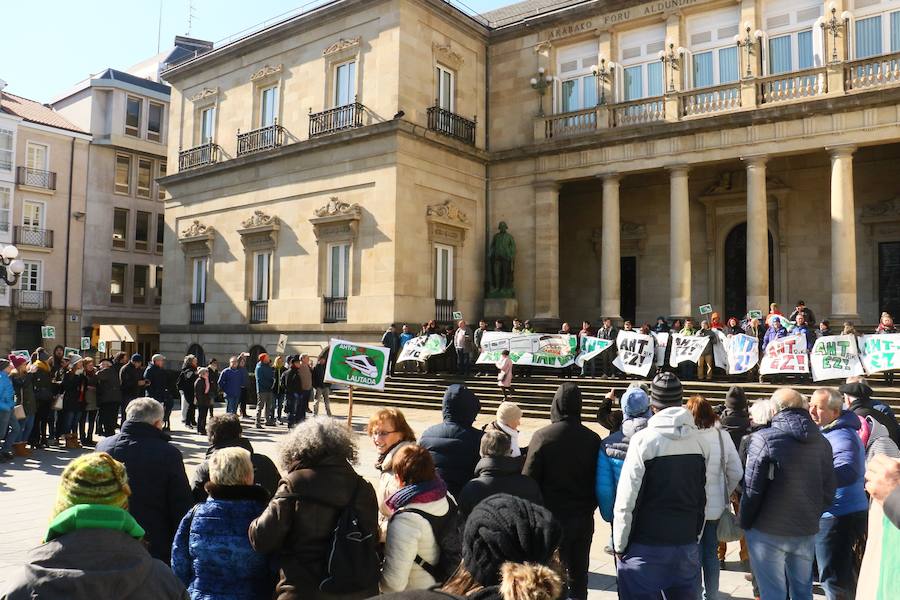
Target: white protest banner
x: 686, y: 348
x: 529, y: 349
x: 422, y: 348
x: 880, y: 352
x: 743, y: 353
x: 662, y: 342
x: 835, y: 357
x: 591, y: 347
x: 282, y: 344
x: 784, y: 322
x: 784, y: 356
x: 635, y: 353
x: 720, y: 352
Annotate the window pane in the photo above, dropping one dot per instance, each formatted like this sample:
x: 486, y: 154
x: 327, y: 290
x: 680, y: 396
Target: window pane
x: 868, y: 37
x: 445, y: 270
x: 141, y: 230
x: 345, y: 281
x: 780, y: 54
x: 117, y: 284
x: 198, y: 294
x: 728, y: 65
x: 160, y: 188
x: 654, y: 79
x: 159, y: 284
x: 30, y: 279
x: 804, y: 50
x: 133, y: 116
x: 447, y: 91
x: 335, y: 272
x: 570, y: 95
x: 633, y: 86
x: 589, y: 84
x: 6, y: 149
x: 207, y: 120
x: 120, y: 228
x: 123, y: 174
x: 36, y: 157
x: 895, y: 33
x: 703, y: 70
x: 144, y: 176
x: 160, y: 231
x: 345, y: 83
x: 32, y: 214
x: 5, y: 210
x: 139, y: 291
x: 154, y: 121
x: 268, y: 107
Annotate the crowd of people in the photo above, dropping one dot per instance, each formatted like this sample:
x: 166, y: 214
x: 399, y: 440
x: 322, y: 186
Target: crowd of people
x: 471, y: 512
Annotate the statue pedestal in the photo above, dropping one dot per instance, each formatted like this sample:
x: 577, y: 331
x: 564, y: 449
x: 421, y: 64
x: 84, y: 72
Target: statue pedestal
x: 501, y: 308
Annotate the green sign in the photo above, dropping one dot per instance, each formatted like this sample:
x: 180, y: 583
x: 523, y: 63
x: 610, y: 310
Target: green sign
x: 85, y: 343
x: 48, y: 332
x: 705, y: 309
x: 754, y: 314
x: 101, y: 347
x: 69, y: 351
x: 357, y: 365
x: 457, y: 315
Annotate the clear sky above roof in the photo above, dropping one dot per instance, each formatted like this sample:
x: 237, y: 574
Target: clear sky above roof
x: 48, y: 46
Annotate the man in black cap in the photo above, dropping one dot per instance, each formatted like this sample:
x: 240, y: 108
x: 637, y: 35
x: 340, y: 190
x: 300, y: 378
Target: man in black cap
x: 131, y: 381
x: 858, y: 399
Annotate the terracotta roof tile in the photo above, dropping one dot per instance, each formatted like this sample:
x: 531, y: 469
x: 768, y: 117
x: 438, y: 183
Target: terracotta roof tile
x: 34, y: 112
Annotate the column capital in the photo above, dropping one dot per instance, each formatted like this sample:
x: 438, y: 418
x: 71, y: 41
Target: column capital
x: 678, y: 169
x: 546, y: 186
x: 843, y: 151
x: 755, y: 160
x: 609, y: 177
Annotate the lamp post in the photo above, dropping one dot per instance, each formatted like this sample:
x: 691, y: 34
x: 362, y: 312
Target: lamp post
x: 833, y: 27
x: 603, y: 73
x: 10, y: 265
x: 747, y: 44
x: 671, y: 60
x: 540, y: 84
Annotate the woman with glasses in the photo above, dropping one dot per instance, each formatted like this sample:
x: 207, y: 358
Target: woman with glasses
x: 389, y: 432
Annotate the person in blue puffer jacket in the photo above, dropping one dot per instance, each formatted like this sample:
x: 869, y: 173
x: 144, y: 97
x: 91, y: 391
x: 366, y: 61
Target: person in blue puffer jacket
x: 211, y: 553
x: 636, y: 411
x: 9, y: 426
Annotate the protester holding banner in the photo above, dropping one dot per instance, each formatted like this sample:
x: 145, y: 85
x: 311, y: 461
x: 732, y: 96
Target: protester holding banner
x: 807, y: 314
x: 607, y: 332
x: 462, y: 343
x: 885, y: 327
x: 824, y: 329
x: 773, y: 312
x: 705, y: 364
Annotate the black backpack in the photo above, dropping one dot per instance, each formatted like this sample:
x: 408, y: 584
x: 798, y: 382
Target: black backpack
x: 446, y: 531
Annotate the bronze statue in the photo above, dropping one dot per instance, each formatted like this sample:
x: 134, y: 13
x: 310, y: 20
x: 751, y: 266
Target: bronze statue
x: 502, y: 259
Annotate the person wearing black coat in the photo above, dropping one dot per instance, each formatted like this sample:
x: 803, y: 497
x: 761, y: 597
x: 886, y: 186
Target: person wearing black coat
x: 160, y: 493
x: 186, y: 380
x: 132, y: 381
x: 858, y: 400
x: 734, y: 416
x: 109, y: 397
x: 497, y: 473
x: 157, y: 386
x: 562, y: 459
x: 455, y: 444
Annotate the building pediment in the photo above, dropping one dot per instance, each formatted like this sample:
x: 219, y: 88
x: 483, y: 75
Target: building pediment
x: 444, y: 54
x: 448, y: 212
x: 342, y: 45
x: 266, y: 71
x: 197, y: 239
x: 204, y: 94
x: 337, y: 220
x: 260, y: 231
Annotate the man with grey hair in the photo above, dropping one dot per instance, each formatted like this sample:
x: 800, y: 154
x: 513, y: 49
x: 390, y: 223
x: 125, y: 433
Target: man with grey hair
x: 843, y: 525
x: 789, y: 481
x: 161, y: 495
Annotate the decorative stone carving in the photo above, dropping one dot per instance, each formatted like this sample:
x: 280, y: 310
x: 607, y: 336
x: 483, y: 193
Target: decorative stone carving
x: 543, y: 48
x: 196, y: 229
x: 266, y: 71
x: 341, y: 45
x: 448, y: 211
x: 259, y: 219
x: 336, y: 207
x: 204, y: 93
x: 633, y: 238
x: 336, y: 221
x: 445, y: 55
x: 884, y: 210
x: 731, y: 182
x: 197, y: 239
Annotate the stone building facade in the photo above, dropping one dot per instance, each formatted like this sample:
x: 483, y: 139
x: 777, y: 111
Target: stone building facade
x: 648, y: 157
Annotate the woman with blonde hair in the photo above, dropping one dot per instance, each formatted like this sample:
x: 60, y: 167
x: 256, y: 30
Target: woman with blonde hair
x: 389, y: 432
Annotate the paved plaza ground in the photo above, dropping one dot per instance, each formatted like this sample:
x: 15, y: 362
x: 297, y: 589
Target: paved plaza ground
x: 28, y: 490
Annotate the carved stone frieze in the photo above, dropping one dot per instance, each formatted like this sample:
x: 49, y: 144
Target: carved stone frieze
x: 266, y: 71
x: 341, y: 45
x: 444, y: 54
x: 336, y: 207
x: 632, y: 236
x: 336, y: 221
x: 886, y: 210
x: 204, y: 93
x: 196, y: 229
x: 197, y: 239
x: 259, y: 219
x: 448, y: 211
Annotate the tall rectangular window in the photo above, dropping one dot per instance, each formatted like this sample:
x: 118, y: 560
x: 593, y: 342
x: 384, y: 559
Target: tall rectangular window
x: 338, y: 270
x: 345, y: 83
x: 5, y: 210
x: 123, y: 174
x: 33, y: 215
x: 160, y: 232
x: 268, y: 106
x: 198, y: 281
x: 805, y: 58
x: 446, y: 88
x: 655, y: 82
x: 144, y: 178
x: 159, y: 284
x: 133, y: 108
x: 139, y: 290
x: 634, y: 84
x: 703, y: 69
x: 142, y: 230
x: 262, y: 263
x: 36, y: 156
x: 6, y: 150
x: 728, y: 65
x: 120, y: 228
x: 895, y: 32
x: 160, y: 188
x: 207, y: 124
x: 155, y: 121
x: 443, y: 272
x: 117, y: 283
x: 780, y: 54
x: 868, y: 37
x: 30, y: 280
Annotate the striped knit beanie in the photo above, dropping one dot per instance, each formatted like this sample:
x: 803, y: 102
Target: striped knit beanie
x: 95, y: 478
x: 665, y: 391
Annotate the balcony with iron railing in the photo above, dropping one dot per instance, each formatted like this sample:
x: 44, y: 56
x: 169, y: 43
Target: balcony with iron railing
x: 198, y: 156
x: 335, y: 310
x: 36, y: 178
x: 33, y: 236
x: 336, y: 119
x: 259, y: 311
x: 31, y: 299
x: 258, y: 140
x: 198, y: 313
x: 443, y: 310
x: 450, y: 124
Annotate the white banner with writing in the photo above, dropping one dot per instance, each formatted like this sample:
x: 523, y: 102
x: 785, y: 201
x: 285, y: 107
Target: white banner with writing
x: 880, y: 352
x: 662, y: 342
x: 835, y: 357
x: 635, y: 353
x: 785, y: 356
x: 686, y: 348
x: 743, y: 353
x: 591, y: 347
x: 423, y: 347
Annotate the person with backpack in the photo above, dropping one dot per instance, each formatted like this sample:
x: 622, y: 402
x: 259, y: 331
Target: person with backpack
x: 422, y: 547
x: 323, y: 521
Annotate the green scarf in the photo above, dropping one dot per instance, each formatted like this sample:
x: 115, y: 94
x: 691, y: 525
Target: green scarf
x: 93, y: 516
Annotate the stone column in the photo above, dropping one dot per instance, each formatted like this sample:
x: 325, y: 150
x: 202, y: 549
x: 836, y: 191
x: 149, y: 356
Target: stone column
x: 843, y: 235
x: 546, y: 250
x: 757, y: 235
x: 610, y: 250
x: 679, y: 243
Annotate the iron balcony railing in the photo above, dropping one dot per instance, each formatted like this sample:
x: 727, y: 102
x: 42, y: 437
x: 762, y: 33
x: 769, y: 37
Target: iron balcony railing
x: 335, y: 310
x: 36, y: 178
x: 33, y: 236
x: 198, y: 156
x: 443, y: 310
x: 198, y: 313
x: 259, y: 311
x: 31, y: 299
x: 336, y: 119
x: 257, y: 140
x: 452, y: 125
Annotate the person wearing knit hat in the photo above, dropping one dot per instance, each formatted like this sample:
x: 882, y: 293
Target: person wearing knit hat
x: 16, y: 360
x: 9, y: 425
x: 665, y: 391
x: 94, y: 548
x: 635, y: 402
x: 509, y: 417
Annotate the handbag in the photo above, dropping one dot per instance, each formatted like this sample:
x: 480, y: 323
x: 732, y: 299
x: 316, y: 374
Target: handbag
x: 57, y: 402
x: 19, y: 412
x: 729, y: 530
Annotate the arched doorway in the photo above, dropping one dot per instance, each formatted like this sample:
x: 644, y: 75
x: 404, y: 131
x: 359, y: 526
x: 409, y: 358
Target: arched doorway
x: 197, y: 351
x: 736, y: 273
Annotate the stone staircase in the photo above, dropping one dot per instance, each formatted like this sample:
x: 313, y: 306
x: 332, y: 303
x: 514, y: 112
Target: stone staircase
x: 534, y: 394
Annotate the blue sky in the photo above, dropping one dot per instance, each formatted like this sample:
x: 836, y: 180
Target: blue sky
x: 49, y: 45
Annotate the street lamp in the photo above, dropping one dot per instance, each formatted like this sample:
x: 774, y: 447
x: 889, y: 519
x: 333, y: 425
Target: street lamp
x: 540, y: 84
x: 833, y: 27
x: 671, y: 59
x: 747, y: 44
x: 9, y: 265
x: 603, y: 73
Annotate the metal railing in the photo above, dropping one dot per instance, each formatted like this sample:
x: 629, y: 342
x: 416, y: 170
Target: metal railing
x: 872, y: 72
x: 336, y: 119
x: 443, y: 310
x: 31, y: 299
x: 571, y: 123
x: 198, y: 156
x: 33, y: 236
x: 36, y: 178
x: 198, y: 313
x: 791, y: 86
x: 259, y: 311
x: 635, y: 112
x: 335, y: 310
x: 257, y: 140
x: 452, y: 125
x: 710, y: 100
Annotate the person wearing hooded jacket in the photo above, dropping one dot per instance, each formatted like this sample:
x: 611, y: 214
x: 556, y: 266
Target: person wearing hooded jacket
x: 734, y: 419
x: 876, y: 439
x: 562, y: 459
x: 660, y: 506
x: 858, y: 400
x: 454, y: 444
